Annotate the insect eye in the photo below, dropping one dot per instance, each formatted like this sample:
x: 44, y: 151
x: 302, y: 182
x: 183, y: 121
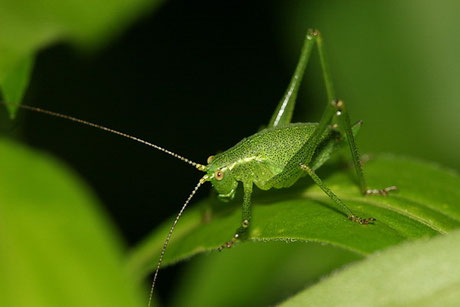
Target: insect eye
x: 210, y: 158
x: 219, y: 175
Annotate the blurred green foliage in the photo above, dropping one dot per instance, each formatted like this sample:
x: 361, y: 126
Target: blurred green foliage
x: 257, y: 274
x: 394, y: 63
x: 423, y: 273
x: 56, y: 246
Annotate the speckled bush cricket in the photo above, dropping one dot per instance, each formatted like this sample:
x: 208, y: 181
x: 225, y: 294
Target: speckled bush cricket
x: 277, y: 156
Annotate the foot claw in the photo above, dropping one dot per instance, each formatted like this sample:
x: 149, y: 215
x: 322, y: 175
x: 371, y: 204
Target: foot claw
x: 383, y: 192
x: 360, y: 220
x: 229, y: 243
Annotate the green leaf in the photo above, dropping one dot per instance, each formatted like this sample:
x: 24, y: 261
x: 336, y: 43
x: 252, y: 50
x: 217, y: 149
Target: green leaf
x: 239, y: 277
x: 423, y: 273
x: 14, y: 84
x: 28, y: 26
x: 56, y: 246
x: 427, y: 203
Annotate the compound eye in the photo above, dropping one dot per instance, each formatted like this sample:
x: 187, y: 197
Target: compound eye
x: 210, y: 158
x: 219, y: 175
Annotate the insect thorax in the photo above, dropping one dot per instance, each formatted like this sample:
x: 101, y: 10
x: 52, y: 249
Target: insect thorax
x: 265, y: 154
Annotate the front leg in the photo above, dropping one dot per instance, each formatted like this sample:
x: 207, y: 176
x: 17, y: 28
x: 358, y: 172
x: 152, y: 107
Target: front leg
x: 382, y: 192
x: 246, y: 217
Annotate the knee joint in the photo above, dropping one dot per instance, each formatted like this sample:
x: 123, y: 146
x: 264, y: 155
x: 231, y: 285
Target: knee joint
x: 338, y: 104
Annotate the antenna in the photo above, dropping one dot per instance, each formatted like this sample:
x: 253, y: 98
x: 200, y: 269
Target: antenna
x: 171, y: 230
x: 83, y: 122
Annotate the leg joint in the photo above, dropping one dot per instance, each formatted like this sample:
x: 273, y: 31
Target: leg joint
x: 338, y: 104
x: 313, y: 32
x: 306, y: 168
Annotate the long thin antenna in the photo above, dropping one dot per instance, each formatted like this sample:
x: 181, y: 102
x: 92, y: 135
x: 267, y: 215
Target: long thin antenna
x: 171, y: 230
x: 83, y: 122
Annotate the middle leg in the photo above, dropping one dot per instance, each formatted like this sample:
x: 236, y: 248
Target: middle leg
x: 245, y: 218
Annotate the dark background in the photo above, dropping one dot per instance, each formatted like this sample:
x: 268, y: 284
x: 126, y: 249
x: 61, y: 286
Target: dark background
x: 195, y: 89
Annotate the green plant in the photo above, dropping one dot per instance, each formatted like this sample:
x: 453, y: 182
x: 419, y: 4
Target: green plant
x: 58, y: 248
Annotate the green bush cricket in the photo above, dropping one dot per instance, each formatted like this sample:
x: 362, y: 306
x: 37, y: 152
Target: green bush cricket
x: 278, y: 155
